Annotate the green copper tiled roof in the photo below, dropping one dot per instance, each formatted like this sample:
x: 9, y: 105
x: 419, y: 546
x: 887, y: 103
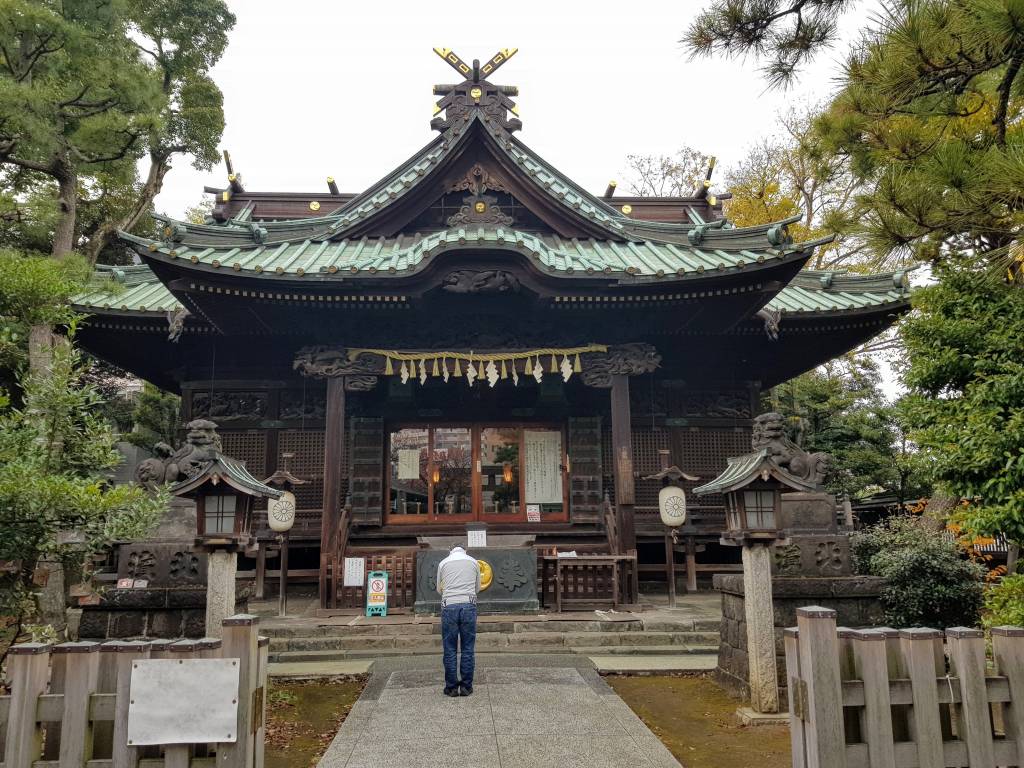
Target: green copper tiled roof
x: 610, y: 220
x: 233, y: 472
x: 407, y: 253
x: 136, y: 289
x: 743, y: 470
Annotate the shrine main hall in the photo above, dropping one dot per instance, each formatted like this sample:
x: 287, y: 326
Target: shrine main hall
x: 475, y: 340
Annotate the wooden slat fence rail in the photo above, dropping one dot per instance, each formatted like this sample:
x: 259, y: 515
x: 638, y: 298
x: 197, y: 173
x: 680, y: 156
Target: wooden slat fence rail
x: 68, y: 703
x: 885, y: 698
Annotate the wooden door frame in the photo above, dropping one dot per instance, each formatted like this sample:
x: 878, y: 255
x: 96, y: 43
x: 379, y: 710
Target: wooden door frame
x: 476, y: 485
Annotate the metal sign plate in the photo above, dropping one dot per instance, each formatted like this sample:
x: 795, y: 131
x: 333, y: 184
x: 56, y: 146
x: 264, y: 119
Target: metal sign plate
x: 183, y: 701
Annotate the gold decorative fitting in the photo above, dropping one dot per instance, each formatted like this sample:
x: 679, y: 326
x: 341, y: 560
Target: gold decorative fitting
x: 712, y: 201
x: 479, y: 206
x: 259, y: 268
x: 627, y: 209
x: 195, y: 259
x: 236, y: 266
x: 152, y: 247
x: 314, y: 205
x: 300, y: 271
x: 168, y: 231
x: 700, y: 268
x: 332, y: 269
x: 330, y: 179
x: 353, y: 270
x: 215, y: 264
x: 279, y: 270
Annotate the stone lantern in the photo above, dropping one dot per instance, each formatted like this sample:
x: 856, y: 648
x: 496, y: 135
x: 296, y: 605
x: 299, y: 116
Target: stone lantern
x: 224, y: 494
x: 752, y: 486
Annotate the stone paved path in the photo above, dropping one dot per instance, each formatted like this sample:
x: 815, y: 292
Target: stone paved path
x: 525, y: 712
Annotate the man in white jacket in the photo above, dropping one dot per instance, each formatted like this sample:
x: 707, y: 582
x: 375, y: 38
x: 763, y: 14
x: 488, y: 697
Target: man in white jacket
x: 458, y: 581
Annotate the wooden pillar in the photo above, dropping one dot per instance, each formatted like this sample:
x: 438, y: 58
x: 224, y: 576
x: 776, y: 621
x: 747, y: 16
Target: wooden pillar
x: 670, y: 567
x: 334, y: 442
x: 691, y: 564
x: 622, y: 451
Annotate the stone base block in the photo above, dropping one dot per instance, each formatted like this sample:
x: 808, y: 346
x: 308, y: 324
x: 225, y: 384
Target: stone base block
x: 745, y: 716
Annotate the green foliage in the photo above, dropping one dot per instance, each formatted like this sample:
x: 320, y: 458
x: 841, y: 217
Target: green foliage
x: 88, y: 89
x: 928, y: 582
x: 1004, y: 602
x: 965, y: 407
x: 155, y: 418
x: 929, y: 117
x: 840, y: 409
x: 786, y: 34
x: 55, y: 456
x: 34, y: 290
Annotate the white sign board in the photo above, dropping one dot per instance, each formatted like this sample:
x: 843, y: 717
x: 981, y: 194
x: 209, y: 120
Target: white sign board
x: 408, y: 463
x: 533, y: 513
x: 543, y: 460
x: 355, y: 571
x: 184, y: 701
x: 477, y: 539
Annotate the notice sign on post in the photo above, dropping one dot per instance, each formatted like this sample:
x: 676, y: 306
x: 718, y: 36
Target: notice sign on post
x: 477, y: 539
x: 185, y: 701
x: 377, y: 593
x: 355, y: 571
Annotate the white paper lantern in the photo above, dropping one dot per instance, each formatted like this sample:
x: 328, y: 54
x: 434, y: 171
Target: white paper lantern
x: 672, y: 504
x: 281, y: 512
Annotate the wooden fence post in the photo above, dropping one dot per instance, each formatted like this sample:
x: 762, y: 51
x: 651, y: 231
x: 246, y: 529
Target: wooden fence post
x: 819, y: 667
x: 263, y: 645
x: 967, y: 660
x: 1008, y: 652
x: 919, y: 660
x: 81, y: 671
x: 796, y: 691
x: 124, y: 755
x: 29, y: 669
x: 240, y: 641
x: 870, y: 660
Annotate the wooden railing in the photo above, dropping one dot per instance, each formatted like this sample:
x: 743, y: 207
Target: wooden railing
x: 400, y: 565
x: 882, y: 697
x: 68, y: 705
x: 332, y: 562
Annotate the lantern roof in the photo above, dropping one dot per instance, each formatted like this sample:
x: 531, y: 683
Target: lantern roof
x: 231, y: 472
x: 750, y: 467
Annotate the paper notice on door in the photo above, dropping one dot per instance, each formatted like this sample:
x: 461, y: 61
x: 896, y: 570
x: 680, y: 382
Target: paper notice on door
x: 543, y: 461
x: 408, y: 463
x: 355, y: 568
x: 533, y: 513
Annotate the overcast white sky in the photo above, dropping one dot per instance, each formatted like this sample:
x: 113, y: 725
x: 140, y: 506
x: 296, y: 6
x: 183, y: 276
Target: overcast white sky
x: 315, y: 88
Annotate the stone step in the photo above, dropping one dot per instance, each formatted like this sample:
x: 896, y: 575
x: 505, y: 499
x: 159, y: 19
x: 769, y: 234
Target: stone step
x: 338, y: 655
x: 428, y: 627
x: 498, y: 640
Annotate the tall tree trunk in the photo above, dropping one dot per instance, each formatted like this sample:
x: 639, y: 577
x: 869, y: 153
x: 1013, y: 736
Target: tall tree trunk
x: 158, y: 168
x: 64, y: 232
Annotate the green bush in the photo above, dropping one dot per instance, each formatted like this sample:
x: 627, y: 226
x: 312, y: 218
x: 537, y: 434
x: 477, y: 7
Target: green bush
x: 1004, y: 602
x: 928, y: 582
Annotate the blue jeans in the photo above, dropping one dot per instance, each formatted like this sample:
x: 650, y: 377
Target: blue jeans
x: 458, y: 626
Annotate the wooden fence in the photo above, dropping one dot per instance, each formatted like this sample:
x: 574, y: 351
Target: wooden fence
x: 68, y: 706
x: 885, y: 698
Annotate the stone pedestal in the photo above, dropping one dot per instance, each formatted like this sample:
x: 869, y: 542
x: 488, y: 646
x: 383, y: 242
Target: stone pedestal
x: 221, y: 568
x: 757, y: 587
x: 854, y: 598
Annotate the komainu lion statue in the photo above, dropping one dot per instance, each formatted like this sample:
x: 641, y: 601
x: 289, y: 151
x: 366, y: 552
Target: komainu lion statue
x: 770, y: 432
x: 201, y: 444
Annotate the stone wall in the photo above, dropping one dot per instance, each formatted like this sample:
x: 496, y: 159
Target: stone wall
x: 854, y: 598
x: 159, y: 612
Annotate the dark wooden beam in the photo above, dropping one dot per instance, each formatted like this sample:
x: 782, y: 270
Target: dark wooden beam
x: 334, y: 437
x: 622, y: 450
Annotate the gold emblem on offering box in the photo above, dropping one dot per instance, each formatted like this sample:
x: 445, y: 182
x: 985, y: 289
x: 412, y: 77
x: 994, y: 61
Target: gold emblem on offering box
x: 486, y: 574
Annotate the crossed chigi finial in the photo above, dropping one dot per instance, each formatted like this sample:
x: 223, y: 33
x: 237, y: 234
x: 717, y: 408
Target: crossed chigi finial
x: 474, y: 71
